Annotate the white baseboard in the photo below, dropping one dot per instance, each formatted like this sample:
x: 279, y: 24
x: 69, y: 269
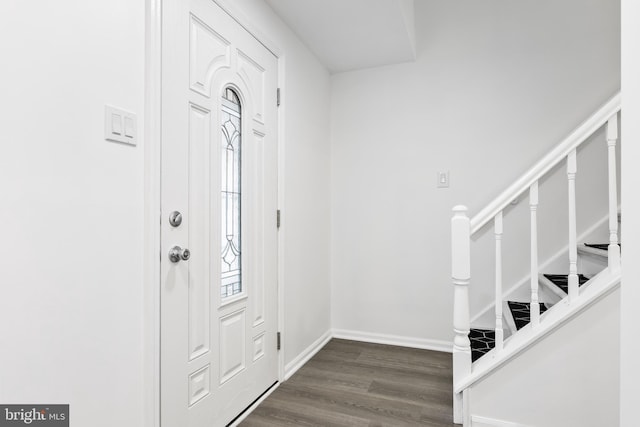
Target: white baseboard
x: 402, y: 341
x: 293, y: 366
x: 477, y: 421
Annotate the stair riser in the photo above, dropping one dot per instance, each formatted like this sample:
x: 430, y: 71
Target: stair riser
x: 591, y: 264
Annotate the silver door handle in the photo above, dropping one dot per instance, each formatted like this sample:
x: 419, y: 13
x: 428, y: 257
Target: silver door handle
x: 176, y: 254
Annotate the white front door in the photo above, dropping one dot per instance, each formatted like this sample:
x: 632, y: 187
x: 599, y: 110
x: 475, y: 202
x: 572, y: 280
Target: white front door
x: 219, y: 172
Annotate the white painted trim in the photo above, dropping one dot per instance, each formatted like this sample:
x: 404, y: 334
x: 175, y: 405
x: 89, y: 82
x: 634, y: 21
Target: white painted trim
x: 151, y: 260
x: 254, y: 405
x: 466, y: 408
x: 558, y: 154
x: 601, y: 285
x: 526, y: 279
x: 302, y: 358
x: 478, y: 421
x: 597, y: 253
x: 402, y: 341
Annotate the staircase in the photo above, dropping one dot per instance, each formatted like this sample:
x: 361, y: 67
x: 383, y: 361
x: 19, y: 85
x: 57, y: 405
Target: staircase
x: 517, y: 314
x: 555, y: 297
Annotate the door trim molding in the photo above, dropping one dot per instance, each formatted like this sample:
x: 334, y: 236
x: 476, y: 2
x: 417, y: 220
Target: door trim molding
x: 152, y: 200
x: 152, y: 181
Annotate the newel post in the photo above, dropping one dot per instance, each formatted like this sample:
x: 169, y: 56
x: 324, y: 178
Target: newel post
x: 461, y: 275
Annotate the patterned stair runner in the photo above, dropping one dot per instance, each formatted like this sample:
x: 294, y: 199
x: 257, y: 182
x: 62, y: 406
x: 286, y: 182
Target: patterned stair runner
x: 602, y: 246
x: 482, y: 340
x: 521, y: 312
x: 560, y: 280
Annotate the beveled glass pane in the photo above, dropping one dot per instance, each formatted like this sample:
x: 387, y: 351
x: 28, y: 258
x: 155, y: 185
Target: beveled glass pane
x: 230, y: 175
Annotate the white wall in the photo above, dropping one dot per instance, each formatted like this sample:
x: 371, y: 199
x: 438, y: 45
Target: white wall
x: 72, y: 204
x: 305, y: 214
x: 630, y: 300
x: 570, y: 378
x: 495, y: 85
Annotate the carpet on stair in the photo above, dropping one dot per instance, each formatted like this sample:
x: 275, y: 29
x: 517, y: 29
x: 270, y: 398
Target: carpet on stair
x: 561, y: 281
x: 521, y: 312
x: 601, y: 246
x: 482, y: 341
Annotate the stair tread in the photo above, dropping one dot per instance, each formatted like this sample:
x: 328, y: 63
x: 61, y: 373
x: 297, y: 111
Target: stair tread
x: 521, y: 312
x: 482, y: 341
x: 561, y: 280
x: 601, y: 246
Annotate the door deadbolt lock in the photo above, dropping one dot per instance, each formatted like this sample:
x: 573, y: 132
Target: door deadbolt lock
x: 175, y: 218
x: 176, y: 254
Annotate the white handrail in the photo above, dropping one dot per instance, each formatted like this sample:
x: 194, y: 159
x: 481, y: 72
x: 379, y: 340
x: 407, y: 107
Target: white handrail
x: 555, y: 156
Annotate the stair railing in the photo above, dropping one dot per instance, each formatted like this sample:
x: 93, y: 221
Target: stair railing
x: 463, y: 228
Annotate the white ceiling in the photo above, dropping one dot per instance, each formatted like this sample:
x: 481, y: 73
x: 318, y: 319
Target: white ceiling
x: 352, y: 34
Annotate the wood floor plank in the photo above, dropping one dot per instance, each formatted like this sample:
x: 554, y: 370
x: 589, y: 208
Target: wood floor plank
x: 410, y: 393
x: 285, y: 412
x: 321, y: 403
x: 355, y: 384
x: 336, y: 380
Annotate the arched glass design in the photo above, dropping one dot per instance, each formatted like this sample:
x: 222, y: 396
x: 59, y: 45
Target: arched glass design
x: 231, y: 164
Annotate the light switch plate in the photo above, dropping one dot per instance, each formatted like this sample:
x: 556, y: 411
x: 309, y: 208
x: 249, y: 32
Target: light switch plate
x: 443, y: 179
x: 120, y: 125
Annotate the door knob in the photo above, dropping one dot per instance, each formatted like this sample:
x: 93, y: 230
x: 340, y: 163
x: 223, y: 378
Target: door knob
x: 176, y: 254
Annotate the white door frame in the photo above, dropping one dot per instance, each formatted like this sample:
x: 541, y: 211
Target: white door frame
x: 152, y: 179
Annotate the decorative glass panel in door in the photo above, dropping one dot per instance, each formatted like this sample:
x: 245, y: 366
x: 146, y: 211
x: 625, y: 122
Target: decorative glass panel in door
x: 231, y: 163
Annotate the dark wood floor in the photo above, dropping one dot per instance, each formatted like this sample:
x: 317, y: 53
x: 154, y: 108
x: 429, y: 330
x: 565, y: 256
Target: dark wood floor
x: 351, y: 383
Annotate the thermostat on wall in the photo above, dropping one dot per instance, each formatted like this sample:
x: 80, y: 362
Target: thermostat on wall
x: 120, y: 125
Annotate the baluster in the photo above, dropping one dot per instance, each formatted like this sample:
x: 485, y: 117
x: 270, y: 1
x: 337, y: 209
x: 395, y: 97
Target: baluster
x: 533, y: 207
x: 497, y: 221
x: 572, y: 168
x: 461, y: 275
x: 614, y: 248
